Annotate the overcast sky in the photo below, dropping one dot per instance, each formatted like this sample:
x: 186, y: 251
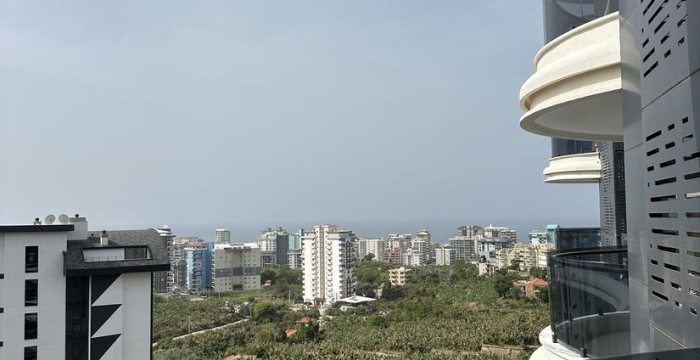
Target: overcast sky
x: 153, y: 112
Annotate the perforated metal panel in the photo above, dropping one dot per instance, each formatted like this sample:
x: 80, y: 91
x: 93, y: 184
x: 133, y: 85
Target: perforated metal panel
x: 664, y: 47
x: 671, y: 169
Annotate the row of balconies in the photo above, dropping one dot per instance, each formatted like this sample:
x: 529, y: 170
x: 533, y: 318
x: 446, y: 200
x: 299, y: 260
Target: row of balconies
x: 575, y: 93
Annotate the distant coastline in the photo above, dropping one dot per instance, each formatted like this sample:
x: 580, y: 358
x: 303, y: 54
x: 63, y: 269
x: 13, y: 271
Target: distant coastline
x: 440, y: 231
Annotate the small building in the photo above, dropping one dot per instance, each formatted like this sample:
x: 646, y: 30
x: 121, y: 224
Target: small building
x: 530, y: 287
x: 354, y: 302
x: 399, y: 277
x: 486, y: 269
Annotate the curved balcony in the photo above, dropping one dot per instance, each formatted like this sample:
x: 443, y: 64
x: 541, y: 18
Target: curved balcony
x: 576, y: 168
x: 589, y: 301
x: 575, y: 92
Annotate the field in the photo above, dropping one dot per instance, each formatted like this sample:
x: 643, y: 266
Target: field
x: 442, y: 313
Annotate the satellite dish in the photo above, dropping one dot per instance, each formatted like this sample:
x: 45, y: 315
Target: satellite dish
x: 63, y: 219
x: 49, y: 219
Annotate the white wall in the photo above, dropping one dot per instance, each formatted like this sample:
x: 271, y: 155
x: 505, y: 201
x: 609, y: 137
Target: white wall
x: 52, y: 294
x: 136, y: 334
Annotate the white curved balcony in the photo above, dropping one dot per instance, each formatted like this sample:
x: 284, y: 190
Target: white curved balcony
x: 573, y: 169
x: 575, y: 92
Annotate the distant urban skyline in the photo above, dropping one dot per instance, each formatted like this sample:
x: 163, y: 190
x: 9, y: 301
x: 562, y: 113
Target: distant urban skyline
x: 440, y: 231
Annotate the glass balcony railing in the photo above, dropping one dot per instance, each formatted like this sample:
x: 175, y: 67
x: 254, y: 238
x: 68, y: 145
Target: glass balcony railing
x: 681, y: 354
x: 589, y: 300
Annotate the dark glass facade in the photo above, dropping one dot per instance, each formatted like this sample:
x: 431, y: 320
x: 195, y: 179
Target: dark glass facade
x: 577, y: 238
x: 561, y: 147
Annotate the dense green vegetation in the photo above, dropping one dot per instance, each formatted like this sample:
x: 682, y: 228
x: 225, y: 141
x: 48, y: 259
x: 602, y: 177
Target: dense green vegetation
x: 442, y: 313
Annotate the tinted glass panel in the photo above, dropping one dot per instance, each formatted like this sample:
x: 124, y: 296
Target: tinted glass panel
x: 30, y: 326
x: 136, y: 253
x: 30, y: 353
x: 561, y: 147
x: 31, y: 292
x: 31, y: 259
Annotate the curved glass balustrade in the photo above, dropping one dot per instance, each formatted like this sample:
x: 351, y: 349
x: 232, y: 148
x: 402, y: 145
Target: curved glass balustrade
x: 561, y: 16
x: 589, y: 300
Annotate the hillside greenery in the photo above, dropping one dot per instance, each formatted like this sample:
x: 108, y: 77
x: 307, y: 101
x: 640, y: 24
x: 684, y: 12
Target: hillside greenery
x: 441, y: 313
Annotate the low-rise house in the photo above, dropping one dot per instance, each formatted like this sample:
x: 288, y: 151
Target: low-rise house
x: 530, y: 287
x: 399, y: 277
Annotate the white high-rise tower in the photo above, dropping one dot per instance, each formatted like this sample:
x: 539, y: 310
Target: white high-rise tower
x: 327, y: 264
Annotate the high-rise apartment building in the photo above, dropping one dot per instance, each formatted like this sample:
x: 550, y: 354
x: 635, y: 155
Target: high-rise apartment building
x: 222, y: 236
x: 68, y: 293
x: 399, y: 241
x: 463, y: 248
x: 443, y: 255
x: 500, y: 232
x: 537, y: 237
x: 525, y: 256
x: 374, y: 246
x: 412, y: 258
x: 274, y: 247
x: 164, y: 281
x: 625, y: 71
x: 327, y: 264
x: 236, y: 267
x: 198, y: 260
x: 423, y: 244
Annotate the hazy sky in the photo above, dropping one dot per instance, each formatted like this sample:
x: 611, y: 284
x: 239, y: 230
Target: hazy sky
x: 153, y: 112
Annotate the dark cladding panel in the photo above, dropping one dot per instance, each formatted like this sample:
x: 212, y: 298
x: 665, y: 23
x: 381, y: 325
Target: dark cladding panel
x: 77, y: 307
x: 100, y: 345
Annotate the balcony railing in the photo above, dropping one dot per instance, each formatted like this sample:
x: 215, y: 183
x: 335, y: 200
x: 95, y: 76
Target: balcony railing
x: 589, y: 300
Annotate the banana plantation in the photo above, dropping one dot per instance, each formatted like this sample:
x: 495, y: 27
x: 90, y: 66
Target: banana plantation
x: 442, y: 313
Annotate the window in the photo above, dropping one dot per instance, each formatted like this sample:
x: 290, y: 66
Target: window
x: 136, y: 253
x: 31, y: 259
x: 30, y: 328
x: 31, y: 292
x: 30, y: 353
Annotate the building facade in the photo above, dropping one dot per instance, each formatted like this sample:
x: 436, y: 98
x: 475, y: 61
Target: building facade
x: 274, y: 247
x: 236, y: 267
x: 164, y: 281
x: 198, y: 272
x: 374, y: 246
x: 399, y: 276
x: 222, y: 236
x: 443, y: 255
x: 463, y: 248
x: 636, y: 82
x: 66, y: 293
x: 328, y: 260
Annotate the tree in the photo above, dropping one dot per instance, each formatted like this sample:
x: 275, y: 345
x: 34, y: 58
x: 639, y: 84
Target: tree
x: 543, y: 294
x: 514, y: 264
x: 267, y: 274
x: 266, y: 312
x: 502, y: 284
x: 539, y: 273
x: 369, y: 257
